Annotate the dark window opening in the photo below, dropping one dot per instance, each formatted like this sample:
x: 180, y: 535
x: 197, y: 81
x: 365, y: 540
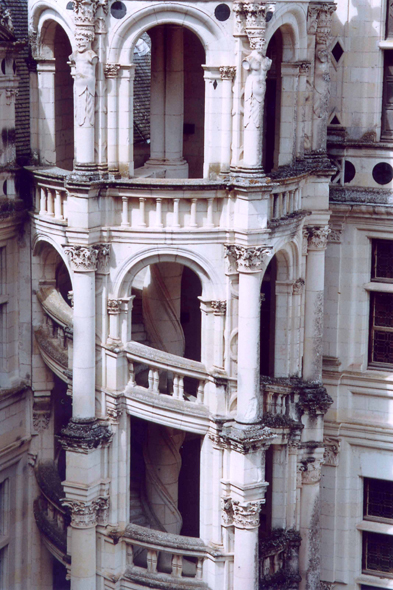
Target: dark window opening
x: 378, y: 500
x: 378, y: 554
x: 267, y: 325
x: 387, y: 100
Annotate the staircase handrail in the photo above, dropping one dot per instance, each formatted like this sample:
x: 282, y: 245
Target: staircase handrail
x: 55, y: 306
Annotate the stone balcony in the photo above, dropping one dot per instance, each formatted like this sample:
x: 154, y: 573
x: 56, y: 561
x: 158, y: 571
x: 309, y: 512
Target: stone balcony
x: 51, y: 517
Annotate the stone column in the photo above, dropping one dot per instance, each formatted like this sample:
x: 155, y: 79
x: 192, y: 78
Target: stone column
x: 219, y: 310
x: 46, y: 110
x: 83, y: 261
x: 251, y: 263
x: 126, y: 123
x: 101, y: 140
x: 313, y: 323
x: 227, y: 75
x: 83, y: 534
x: 246, y: 521
x: 111, y: 73
x: 114, y: 309
x: 157, y: 96
x: 83, y: 70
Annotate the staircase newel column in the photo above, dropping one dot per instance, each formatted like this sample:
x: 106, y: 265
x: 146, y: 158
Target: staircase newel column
x: 313, y: 325
x: 251, y: 263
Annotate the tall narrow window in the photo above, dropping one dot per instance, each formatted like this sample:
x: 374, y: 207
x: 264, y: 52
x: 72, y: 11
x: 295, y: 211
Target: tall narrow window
x: 381, y: 306
x: 387, y: 101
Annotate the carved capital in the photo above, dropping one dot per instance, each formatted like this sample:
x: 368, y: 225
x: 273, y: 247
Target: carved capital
x: 82, y: 435
x: 298, y: 286
x: 318, y: 237
x: 227, y: 511
x: 246, y: 514
x: 102, y: 506
x: 227, y: 72
x: 332, y: 449
x: 111, y: 70
x: 114, y: 306
x: 87, y: 514
x: 320, y: 21
x: 84, y: 12
x: 219, y: 307
x: 248, y: 258
x: 304, y: 68
x: 41, y: 413
x: 87, y: 258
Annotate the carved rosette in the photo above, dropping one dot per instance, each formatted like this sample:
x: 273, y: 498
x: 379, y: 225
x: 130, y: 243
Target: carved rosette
x: 318, y: 237
x: 227, y: 72
x: 87, y: 258
x: 248, y: 258
x: 219, y: 307
x: 298, y: 286
x: 114, y: 306
x: 227, y: 511
x: 111, y: 70
x: 246, y: 514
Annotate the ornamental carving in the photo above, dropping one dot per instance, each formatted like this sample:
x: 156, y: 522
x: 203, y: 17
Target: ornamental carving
x: 84, y: 514
x: 41, y: 413
x: 332, y: 449
x: 320, y: 21
x: 246, y: 514
x: 102, y: 506
x: 251, y: 439
x: 313, y: 399
x: 114, y: 306
x: 335, y: 236
x: 82, y: 435
x: 304, y: 68
x: 248, y: 258
x: 310, y: 470
x: 10, y: 95
x: 227, y: 511
x: 227, y: 72
x: 87, y: 258
x: 318, y: 237
x: 326, y: 585
x: 111, y: 70
x: 219, y: 307
x: 84, y: 11
x: 298, y: 286
x: 250, y: 20
x: 6, y: 19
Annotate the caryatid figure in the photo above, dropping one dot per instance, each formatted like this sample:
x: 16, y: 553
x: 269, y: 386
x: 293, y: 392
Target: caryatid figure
x: 257, y: 66
x: 83, y: 62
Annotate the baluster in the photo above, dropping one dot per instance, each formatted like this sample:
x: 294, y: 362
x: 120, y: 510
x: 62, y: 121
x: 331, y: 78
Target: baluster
x: 152, y: 560
x: 285, y: 203
x: 276, y: 207
x: 51, y: 203
x: 131, y: 373
x: 175, y: 385
x: 64, y: 203
x: 151, y: 379
x: 291, y: 207
x: 129, y: 555
x: 142, y: 221
x: 58, y: 213
x: 125, y: 222
x: 201, y: 392
x: 299, y: 198
x: 181, y: 387
x: 43, y: 201
x: 156, y: 381
x: 280, y: 213
x: 37, y: 199
x: 159, y: 213
x: 176, y: 221
x: 210, y: 206
x: 51, y: 512
x: 270, y: 402
x: 177, y: 566
x: 199, y: 568
x: 271, y: 206
x: 193, y: 212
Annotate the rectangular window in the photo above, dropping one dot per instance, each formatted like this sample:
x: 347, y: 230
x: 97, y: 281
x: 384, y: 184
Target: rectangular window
x: 381, y: 306
x: 3, y: 568
x: 382, y: 261
x: 378, y: 554
x: 387, y: 97
x: 378, y: 500
x: 4, y: 507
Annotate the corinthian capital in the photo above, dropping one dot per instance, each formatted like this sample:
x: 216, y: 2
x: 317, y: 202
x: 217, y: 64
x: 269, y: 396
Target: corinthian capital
x: 318, y: 237
x: 87, y: 258
x: 111, y: 70
x: 227, y: 72
x: 246, y: 514
x: 83, y: 514
x: 320, y: 21
x: 248, y: 258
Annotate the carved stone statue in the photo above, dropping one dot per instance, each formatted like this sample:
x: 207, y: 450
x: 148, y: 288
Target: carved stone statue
x: 84, y: 78
x: 257, y: 67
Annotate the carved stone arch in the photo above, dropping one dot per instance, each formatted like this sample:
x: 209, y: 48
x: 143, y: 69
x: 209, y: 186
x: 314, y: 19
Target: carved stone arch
x: 213, y: 36
x: 42, y: 22
x: 45, y: 247
x: 293, y: 25
x: 288, y: 260
x: 212, y: 288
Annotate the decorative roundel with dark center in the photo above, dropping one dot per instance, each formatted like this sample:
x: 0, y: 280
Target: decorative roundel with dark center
x: 222, y: 12
x: 349, y: 171
x: 70, y: 5
x: 383, y: 173
x: 118, y: 10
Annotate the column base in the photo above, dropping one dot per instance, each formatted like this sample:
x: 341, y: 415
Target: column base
x: 84, y: 172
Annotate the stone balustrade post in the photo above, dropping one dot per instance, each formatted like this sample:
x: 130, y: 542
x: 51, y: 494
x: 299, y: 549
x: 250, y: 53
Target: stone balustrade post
x: 251, y: 263
x: 227, y: 75
x: 84, y: 261
x: 313, y: 323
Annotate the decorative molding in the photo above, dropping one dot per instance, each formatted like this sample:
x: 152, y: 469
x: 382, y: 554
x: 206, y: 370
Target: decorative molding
x: 82, y: 435
x: 41, y: 413
x: 244, y: 441
x: 87, y: 514
x: 87, y: 258
x: 227, y: 72
x: 246, y: 514
x: 227, y: 511
x: 326, y: 585
x: 298, y: 286
x: 332, y: 450
x: 335, y: 236
x: 318, y: 237
x: 304, y: 68
x: 250, y: 20
x: 6, y: 19
x: 247, y: 258
x: 310, y: 470
x: 111, y: 70
x: 219, y: 307
x: 313, y: 398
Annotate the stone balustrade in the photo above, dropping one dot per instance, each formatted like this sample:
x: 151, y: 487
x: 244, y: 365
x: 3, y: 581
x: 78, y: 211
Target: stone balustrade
x: 166, y: 557
x: 51, y: 517
x: 279, y: 398
x: 50, y: 196
x: 284, y: 201
x: 166, y: 373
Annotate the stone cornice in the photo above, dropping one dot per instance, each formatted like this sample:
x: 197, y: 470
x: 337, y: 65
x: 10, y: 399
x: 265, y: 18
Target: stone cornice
x: 243, y: 440
x: 82, y: 435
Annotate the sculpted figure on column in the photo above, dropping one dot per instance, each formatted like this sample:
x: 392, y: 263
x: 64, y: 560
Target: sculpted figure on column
x: 84, y: 61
